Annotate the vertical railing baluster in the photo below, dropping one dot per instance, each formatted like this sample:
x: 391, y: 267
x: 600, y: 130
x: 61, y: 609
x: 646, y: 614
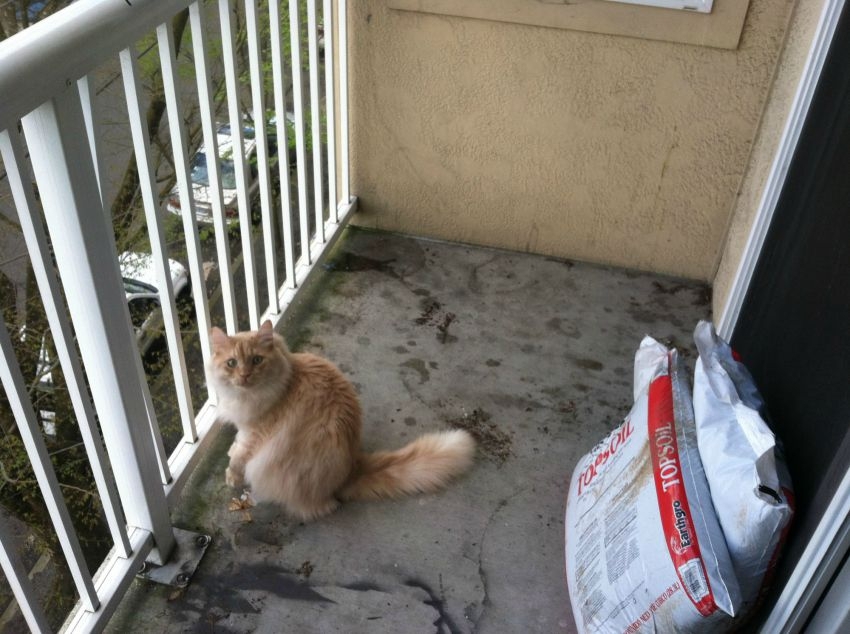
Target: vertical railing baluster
x: 209, y: 127
x: 258, y: 97
x: 330, y: 107
x: 84, y: 247
x: 156, y: 436
x: 300, y: 143
x: 16, y: 393
x: 282, y: 140
x: 48, y: 285
x: 180, y: 150
x: 316, y: 113
x: 237, y: 136
x: 343, y: 101
x: 20, y: 584
x: 156, y: 235
x: 88, y: 99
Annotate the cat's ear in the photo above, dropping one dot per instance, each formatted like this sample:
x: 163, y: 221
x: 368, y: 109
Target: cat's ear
x: 265, y: 335
x: 218, y: 337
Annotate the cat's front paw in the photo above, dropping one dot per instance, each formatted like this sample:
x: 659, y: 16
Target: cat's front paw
x: 234, y: 478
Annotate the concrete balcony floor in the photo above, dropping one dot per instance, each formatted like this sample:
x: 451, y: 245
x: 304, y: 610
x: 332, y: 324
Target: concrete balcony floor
x: 532, y: 354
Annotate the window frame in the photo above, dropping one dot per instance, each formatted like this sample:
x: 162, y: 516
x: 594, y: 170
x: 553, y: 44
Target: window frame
x: 719, y: 29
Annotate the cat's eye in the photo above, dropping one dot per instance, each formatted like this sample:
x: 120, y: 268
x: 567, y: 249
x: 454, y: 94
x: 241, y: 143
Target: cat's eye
x: 232, y: 363
x: 256, y: 359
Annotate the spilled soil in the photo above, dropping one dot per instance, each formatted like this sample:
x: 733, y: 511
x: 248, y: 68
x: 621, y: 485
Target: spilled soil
x: 433, y: 315
x: 491, y: 441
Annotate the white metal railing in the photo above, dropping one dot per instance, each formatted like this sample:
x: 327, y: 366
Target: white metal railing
x: 50, y: 126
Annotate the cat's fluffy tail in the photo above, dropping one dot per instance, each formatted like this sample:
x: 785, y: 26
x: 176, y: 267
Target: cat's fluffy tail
x: 425, y: 465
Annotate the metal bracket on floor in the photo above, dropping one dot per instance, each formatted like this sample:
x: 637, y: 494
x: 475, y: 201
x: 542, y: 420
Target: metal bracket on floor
x: 178, y: 571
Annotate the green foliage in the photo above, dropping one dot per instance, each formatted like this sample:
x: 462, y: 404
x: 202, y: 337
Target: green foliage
x: 264, y: 26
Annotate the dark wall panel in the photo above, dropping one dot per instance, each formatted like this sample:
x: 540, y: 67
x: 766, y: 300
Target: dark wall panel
x: 794, y: 328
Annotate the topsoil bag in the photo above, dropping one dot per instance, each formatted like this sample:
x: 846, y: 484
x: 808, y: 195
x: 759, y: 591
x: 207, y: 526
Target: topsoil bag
x: 644, y: 551
x: 744, y: 466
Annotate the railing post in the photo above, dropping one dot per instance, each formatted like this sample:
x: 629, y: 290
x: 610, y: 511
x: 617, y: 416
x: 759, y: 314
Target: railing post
x: 86, y: 256
x: 343, y: 103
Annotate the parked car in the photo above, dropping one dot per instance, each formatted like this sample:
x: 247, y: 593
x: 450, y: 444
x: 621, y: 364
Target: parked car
x: 199, y: 173
x: 139, y: 275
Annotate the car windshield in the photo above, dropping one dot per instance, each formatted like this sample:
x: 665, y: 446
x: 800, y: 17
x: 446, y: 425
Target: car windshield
x: 200, y: 175
x: 135, y: 286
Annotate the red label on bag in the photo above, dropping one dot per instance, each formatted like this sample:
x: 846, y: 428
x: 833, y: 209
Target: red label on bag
x: 672, y: 499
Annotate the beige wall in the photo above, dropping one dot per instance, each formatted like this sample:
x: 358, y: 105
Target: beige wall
x: 801, y: 32
x: 595, y: 147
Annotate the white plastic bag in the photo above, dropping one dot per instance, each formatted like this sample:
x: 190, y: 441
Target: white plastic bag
x: 644, y: 551
x: 749, y: 482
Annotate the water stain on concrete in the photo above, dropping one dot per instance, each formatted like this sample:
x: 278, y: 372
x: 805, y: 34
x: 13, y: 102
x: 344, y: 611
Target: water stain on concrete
x: 703, y: 296
x: 510, y: 401
x: 274, y: 580
x: 641, y: 314
x: 348, y: 262
x: 400, y: 350
x: 670, y: 288
x: 567, y: 407
x: 418, y: 365
x: 335, y: 322
x: 265, y: 533
x: 234, y: 592
x: 702, y: 292
x: 590, y: 364
x: 556, y: 324
x: 555, y: 391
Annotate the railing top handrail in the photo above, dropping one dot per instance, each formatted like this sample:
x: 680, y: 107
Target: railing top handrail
x: 54, y: 53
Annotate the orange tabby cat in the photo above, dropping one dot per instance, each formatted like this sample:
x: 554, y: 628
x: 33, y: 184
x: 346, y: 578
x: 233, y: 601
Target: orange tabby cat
x: 298, y: 431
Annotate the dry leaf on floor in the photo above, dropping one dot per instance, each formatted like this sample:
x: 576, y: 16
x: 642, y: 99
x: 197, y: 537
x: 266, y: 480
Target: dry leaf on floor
x: 241, y: 503
x: 176, y: 594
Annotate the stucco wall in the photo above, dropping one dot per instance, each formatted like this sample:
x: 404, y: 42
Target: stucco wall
x: 801, y: 31
x: 595, y: 147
